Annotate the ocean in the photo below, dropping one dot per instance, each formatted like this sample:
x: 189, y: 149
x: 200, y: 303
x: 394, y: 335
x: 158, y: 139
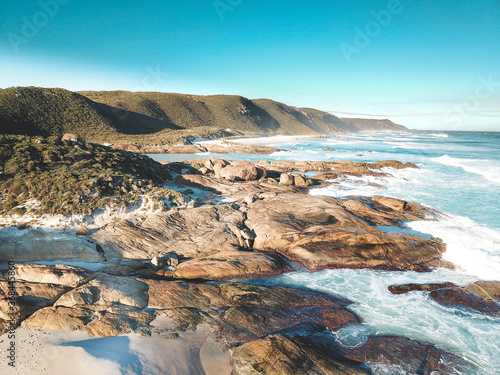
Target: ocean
x: 459, y: 175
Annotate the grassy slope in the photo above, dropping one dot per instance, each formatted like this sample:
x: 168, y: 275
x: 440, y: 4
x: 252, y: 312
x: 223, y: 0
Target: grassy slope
x: 189, y: 111
x: 367, y: 124
x: 158, y: 118
x: 37, y: 111
x: 69, y: 177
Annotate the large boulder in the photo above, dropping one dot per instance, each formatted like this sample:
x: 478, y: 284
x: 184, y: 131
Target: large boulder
x: 286, y: 179
x: 240, y: 171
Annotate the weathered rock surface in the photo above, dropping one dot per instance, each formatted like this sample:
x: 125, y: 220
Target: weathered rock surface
x: 245, y: 312
x: 240, y: 171
x: 226, y: 147
x: 105, y: 306
x: 482, y: 297
x: 112, y: 321
x: 280, y: 355
x: 156, y: 264
x: 190, y: 233
x: 37, y: 244
x: 320, y: 233
x: 228, y: 265
x: 110, y: 305
x: 30, y: 298
x: 57, y: 274
x: 322, y: 354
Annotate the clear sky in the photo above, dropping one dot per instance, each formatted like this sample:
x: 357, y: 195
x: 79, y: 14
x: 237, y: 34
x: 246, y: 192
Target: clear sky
x: 424, y: 64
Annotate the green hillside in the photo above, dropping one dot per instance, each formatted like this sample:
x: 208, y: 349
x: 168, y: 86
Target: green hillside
x: 369, y: 124
x: 155, y: 118
x: 40, y: 111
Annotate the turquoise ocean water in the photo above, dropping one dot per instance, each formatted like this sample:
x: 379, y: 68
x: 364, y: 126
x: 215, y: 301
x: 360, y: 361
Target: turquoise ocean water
x: 459, y: 175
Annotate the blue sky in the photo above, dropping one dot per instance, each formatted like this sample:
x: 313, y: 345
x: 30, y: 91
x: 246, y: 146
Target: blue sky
x: 424, y: 64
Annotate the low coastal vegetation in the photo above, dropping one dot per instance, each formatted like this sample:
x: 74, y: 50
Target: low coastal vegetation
x: 47, y: 175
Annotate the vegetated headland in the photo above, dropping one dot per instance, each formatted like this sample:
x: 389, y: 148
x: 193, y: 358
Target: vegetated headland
x: 158, y: 246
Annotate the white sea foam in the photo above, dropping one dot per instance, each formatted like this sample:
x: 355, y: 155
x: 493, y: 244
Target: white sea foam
x: 390, y: 182
x: 474, y: 248
x: 440, y: 135
x: 272, y: 139
x: 485, y: 168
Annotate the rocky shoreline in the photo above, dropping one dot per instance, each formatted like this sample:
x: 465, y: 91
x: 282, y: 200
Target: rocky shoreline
x: 170, y: 273
x: 219, y: 147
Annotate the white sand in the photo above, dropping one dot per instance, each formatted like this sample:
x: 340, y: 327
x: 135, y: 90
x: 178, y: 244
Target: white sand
x: 272, y: 139
x: 77, y: 353
x: 258, y: 140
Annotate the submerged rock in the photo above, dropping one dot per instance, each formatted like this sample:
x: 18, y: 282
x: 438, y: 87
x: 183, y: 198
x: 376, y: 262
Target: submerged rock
x: 482, y: 297
x: 402, y: 289
x: 405, y: 356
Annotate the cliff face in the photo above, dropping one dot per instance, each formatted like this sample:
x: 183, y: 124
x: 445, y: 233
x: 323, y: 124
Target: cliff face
x: 155, y: 118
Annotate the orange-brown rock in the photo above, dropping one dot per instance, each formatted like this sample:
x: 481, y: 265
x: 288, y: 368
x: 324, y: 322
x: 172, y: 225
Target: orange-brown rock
x: 248, y: 312
x: 240, y: 171
x: 337, y: 166
x: 228, y: 265
x: 320, y: 233
x: 280, y: 355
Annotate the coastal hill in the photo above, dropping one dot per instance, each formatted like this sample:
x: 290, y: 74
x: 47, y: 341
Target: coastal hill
x: 156, y: 118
